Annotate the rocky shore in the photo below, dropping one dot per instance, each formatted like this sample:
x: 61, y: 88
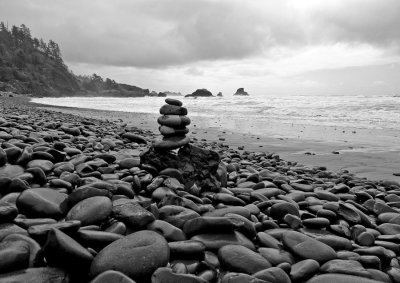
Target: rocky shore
x: 79, y: 203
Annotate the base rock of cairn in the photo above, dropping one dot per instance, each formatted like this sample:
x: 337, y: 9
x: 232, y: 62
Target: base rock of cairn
x: 197, y: 166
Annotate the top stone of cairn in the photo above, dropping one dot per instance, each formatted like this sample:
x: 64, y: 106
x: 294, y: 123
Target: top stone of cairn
x: 173, y: 124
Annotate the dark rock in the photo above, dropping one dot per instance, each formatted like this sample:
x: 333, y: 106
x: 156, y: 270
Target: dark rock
x: 218, y: 240
x: 42, y: 202
x: 187, y: 250
x: 90, y: 211
x: 14, y: 255
x: 165, y: 275
x: 273, y: 274
x: 36, y: 275
x: 197, y: 165
x: 112, y: 276
x: 176, y: 215
x: 137, y: 255
x: 340, y: 278
x: 308, y: 248
x: 132, y: 213
x: 169, y: 109
x: 134, y: 138
x: 173, y: 121
x: 200, y: 93
x: 240, y: 91
x: 350, y: 267
x: 169, y: 143
x: 62, y: 251
x: 241, y: 259
x: 216, y: 224
x: 172, y: 101
x: 304, y: 269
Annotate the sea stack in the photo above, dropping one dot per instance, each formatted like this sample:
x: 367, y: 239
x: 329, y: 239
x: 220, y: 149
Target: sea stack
x: 240, y: 91
x: 173, y: 124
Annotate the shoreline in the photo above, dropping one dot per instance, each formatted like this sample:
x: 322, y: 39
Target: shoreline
x: 374, y: 163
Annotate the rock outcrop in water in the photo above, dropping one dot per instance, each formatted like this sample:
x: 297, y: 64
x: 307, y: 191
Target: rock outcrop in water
x: 240, y: 91
x: 200, y: 93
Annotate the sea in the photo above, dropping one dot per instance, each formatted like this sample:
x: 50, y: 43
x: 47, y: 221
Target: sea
x: 317, y: 117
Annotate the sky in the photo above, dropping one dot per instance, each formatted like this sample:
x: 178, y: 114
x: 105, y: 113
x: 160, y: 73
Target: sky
x: 266, y: 46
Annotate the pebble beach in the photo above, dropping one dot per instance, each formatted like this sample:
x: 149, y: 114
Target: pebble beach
x: 79, y: 205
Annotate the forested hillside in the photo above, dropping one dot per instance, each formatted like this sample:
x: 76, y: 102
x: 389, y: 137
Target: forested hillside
x: 29, y: 65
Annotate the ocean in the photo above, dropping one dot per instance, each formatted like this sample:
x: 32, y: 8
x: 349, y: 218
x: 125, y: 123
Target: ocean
x: 314, y: 117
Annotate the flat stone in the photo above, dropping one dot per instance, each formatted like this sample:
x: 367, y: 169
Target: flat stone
x: 134, y: 138
x: 279, y: 210
x: 276, y: 256
x: 341, y: 266
x: 43, y: 164
x: 216, y: 241
x: 62, y: 251
x: 169, y: 131
x: 389, y: 229
x: 137, y: 255
x: 304, y: 269
x: 8, y: 212
x: 340, y: 278
x: 14, y: 255
x: 241, y: 259
x: 173, y: 121
x: 96, y: 240
x: 307, y: 247
x: 177, y: 215
x: 35, y: 250
x: 11, y: 171
x: 10, y: 228
x: 187, y: 250
x: 42, y: 202
x: 90, y: 211
x: 335, y: 242
x: 40, y: 232
x: 216, y: 224
x: 165, y: 275
x: 128, y: 163
x: 233, y: 277
x: 172, y: 101
x: 273, y: 274
x: 35, y: 275
x: 112, y: 276
x: 169, y: 143
x: 169, y: 231
x: 169, y: 109
x: 132, y: 213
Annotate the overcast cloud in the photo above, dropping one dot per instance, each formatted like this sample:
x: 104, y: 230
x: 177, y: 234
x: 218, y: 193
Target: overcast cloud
x: 257, y: 43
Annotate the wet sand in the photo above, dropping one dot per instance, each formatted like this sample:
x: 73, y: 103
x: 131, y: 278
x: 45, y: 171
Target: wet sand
x: 366, y: 154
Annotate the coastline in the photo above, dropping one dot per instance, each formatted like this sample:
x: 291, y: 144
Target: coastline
x: 347, y: 152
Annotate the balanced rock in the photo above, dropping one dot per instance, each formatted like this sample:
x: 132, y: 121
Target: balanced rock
x: 172, y: 126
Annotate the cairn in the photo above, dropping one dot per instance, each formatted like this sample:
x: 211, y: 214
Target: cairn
x: 173, y: 124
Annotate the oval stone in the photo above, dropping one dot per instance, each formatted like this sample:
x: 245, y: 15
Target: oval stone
x: 90, y: 211
x: 173, y: 121
x: 340, y: 278
x: 42, y: 202
x: 241, y: 259
x: 307, y: 247
x: 137, y: 255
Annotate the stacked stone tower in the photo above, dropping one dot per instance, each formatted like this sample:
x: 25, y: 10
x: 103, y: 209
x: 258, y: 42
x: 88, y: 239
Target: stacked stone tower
x: 173, y: 124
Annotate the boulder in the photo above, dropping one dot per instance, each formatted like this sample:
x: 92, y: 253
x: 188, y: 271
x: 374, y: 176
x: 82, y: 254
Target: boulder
x: 198, y: 166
